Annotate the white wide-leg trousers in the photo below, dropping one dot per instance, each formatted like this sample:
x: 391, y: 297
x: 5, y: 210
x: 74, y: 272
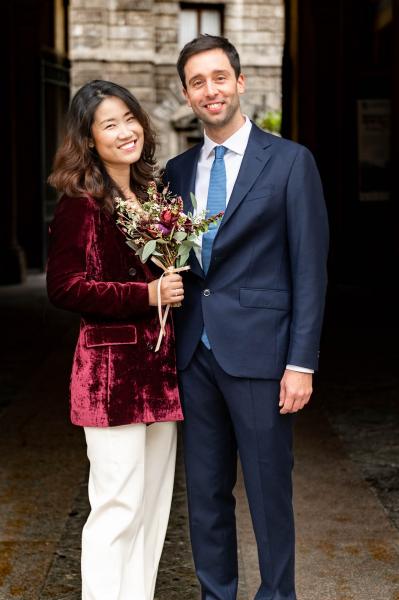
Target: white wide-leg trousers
x: 130, y: 491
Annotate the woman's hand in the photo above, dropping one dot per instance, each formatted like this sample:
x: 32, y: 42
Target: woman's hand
x: 172, y: 290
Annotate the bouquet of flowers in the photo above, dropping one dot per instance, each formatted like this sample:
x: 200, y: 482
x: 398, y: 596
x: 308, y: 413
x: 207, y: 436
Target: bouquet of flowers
x: 159, y: 229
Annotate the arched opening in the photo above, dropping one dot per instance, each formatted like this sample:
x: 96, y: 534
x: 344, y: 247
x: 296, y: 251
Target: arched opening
x: 340, y: 85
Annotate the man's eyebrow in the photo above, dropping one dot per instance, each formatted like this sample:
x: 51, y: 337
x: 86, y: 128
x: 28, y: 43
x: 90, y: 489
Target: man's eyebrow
x: 216, y: 72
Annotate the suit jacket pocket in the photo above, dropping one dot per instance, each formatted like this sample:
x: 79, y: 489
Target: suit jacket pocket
x: 261, y: 193
x: 258, y: 298
x: 110, y: 335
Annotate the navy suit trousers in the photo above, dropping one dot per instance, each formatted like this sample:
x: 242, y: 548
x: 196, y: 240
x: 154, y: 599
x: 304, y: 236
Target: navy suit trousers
x: 225, y: 415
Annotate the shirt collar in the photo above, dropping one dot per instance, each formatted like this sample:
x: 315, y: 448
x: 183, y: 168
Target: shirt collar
x: 236, y: 143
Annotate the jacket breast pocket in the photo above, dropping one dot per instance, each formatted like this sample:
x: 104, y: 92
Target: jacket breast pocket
x: 110, y: 335
x: 261, y: 193
x: 261, y: 298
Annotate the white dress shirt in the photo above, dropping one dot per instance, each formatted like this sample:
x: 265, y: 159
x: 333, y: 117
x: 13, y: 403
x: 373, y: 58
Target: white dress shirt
x: 236, y: 146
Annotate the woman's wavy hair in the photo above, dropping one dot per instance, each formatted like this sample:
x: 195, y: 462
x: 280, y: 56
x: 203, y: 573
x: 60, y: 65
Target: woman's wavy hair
x: 78, y: 169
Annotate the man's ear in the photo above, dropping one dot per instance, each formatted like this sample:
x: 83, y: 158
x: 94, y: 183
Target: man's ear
x: 184, y: 92
x: 241, y: 82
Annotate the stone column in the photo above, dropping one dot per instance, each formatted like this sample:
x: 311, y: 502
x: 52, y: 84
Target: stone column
x: 12, y: 259
x: 395, y: 122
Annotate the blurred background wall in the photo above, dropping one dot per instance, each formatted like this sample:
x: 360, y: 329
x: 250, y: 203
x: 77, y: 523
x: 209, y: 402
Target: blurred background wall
x: 331, y: 67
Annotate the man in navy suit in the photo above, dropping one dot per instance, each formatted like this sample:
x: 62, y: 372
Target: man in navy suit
x: 248, y: 332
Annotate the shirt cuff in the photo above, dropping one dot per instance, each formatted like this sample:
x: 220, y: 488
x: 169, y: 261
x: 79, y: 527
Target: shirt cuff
x: 299, y: 369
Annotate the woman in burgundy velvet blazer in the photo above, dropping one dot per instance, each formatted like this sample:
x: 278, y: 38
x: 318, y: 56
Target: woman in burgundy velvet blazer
x: 119, y: 384
x: 117, y: 378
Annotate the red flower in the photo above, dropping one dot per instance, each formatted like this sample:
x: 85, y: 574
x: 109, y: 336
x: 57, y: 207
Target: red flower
x: 152, y: 232
x: 168, y: 218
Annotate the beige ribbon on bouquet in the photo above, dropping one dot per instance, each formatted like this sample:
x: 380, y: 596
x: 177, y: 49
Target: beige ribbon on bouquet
x: 163, y: 316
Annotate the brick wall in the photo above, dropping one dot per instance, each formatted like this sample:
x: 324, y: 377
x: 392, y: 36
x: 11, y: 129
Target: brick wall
x: 135, y: 43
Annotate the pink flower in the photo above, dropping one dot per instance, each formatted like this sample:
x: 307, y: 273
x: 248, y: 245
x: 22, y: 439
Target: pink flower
x: 180, y: 203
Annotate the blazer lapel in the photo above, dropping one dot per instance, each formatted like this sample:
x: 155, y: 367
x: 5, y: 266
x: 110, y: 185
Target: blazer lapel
x: 187, y: 178
x: 257, y: 155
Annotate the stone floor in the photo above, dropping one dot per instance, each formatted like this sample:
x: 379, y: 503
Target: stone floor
x: 358, y: 386
x: 346, y: 474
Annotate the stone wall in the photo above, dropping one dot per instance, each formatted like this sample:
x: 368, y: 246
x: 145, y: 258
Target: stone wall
x: 135, y: 43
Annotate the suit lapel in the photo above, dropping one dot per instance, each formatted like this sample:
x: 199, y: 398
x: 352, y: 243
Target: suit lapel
x: 187, y: 178
x: 257, y: 155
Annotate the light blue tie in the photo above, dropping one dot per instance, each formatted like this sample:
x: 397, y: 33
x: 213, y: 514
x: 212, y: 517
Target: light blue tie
x: 216, y: 202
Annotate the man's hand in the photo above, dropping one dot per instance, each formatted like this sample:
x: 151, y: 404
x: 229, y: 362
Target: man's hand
x: 295, y: 391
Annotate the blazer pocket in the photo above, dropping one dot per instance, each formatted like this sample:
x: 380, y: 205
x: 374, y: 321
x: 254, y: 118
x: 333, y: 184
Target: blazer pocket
x: 110, y: 335
x: 258, y: 298
x: 261, y: 193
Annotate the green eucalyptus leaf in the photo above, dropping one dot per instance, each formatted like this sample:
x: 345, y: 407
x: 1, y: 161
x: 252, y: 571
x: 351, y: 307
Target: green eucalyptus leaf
x: 184, y: 248
x: 179, y: 236
x: 148, y: 250
x: 183, y: 254
x: 183, y: 260
x: 193, y: 201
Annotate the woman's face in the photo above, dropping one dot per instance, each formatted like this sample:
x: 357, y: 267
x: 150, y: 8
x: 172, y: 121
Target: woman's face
x: 117, y: 135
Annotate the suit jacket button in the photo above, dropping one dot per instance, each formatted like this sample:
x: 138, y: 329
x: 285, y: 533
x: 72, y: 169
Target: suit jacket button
x: 150, y: 346
x: 132, y: 271
x: 206, y: 292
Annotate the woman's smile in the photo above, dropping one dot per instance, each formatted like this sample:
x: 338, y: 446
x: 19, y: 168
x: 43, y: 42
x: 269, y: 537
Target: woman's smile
x: 128, y: 146
x: 117, y: 135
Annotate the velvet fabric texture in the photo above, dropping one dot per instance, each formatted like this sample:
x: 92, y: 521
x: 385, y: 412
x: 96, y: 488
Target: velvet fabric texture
x: 117, y: 378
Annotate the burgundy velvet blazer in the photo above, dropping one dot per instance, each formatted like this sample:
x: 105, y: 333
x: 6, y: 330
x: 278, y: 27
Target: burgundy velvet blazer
x: 117, y: 378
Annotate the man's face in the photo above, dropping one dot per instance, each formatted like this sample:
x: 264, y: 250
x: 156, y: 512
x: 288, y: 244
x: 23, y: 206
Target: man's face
x: 212, y: 89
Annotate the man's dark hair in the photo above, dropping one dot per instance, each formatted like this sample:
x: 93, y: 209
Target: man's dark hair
x: 203, y: 43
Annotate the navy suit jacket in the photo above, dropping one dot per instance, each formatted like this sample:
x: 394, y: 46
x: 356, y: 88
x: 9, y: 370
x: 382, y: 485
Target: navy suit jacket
x: 262, y: 300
